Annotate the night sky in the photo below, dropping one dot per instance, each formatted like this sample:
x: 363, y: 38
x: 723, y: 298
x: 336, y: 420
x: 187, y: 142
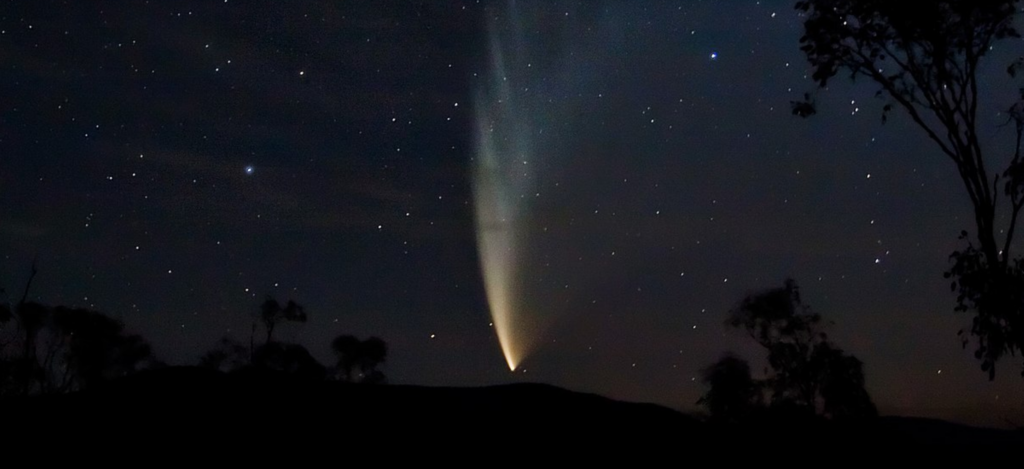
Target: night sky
x: 172, y: 163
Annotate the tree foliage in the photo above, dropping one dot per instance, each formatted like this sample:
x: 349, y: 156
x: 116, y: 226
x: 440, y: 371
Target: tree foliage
x: 46, y: 350
x: 272, y: 356
x: 925, y: 57
x: 733, y: 394
x: 805, y: 371
x: 358, y: 361
x: 996, y: 295
x: 272, y: 314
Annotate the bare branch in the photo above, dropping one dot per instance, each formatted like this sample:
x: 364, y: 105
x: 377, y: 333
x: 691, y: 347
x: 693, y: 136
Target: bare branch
x: 28, y: 285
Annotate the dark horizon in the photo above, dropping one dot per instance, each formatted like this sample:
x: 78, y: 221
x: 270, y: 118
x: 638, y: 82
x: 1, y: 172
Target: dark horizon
x: 172, y: 165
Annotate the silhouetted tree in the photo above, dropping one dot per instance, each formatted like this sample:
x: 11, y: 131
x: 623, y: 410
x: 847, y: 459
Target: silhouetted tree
x: 358, y: 359
x: 272, y: 313
x: 62, y: 349
x: 925, y: 57
x: 842, y: 384
x: 805, y: 372
x: 273, y: 356
x: 732, y: 393
x: 97, y: 349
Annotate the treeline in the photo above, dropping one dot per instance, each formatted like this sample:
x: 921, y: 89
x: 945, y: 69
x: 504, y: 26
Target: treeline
x: 58, y: 349
x: 356, y: 361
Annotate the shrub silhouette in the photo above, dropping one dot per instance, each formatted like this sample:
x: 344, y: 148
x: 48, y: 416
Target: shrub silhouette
x: 227, y: 356
x: 289, y: 359
x: 358, y: 360
x: 733, y: 393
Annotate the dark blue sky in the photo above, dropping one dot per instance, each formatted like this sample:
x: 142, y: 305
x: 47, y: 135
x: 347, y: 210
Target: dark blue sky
x: 673, y: 181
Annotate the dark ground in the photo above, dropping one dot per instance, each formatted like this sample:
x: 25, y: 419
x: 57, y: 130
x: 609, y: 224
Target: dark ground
x: 196, y: 412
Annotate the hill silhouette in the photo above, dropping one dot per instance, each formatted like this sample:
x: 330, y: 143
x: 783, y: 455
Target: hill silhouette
x: 248, y: 414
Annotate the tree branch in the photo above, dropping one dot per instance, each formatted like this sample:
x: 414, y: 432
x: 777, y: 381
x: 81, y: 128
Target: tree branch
x: 28, y: 285
x: 1015, y: 195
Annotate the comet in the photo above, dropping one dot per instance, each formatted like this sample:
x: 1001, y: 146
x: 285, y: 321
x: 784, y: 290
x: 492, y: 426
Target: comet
x: 527, y: 110
x: 501, y: 174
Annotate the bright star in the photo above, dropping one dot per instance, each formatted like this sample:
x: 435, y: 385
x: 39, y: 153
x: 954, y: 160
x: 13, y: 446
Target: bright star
x: 249, y: 169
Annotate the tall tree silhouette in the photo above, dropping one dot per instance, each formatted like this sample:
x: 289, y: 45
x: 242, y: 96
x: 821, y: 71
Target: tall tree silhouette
x: 806, y: 372
x: 925, y: 58
x: 272, y: 314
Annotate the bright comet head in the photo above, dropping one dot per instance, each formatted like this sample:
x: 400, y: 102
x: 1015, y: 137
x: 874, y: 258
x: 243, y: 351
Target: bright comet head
x: 496, y: 242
